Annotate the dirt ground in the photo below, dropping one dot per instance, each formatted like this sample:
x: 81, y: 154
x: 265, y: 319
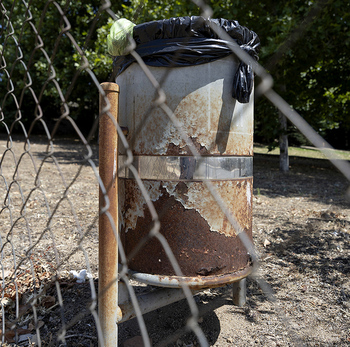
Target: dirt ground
x: 301, y: 229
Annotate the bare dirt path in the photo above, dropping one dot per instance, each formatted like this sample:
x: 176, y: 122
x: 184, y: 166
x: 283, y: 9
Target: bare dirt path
x: 301, y: 229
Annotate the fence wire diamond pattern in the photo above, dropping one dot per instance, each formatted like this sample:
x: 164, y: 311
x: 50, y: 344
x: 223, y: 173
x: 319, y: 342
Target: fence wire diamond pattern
x: 51, y: 269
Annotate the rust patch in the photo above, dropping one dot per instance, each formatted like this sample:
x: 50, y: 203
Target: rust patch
x: 210, y: 271
x: 198, y: 249
x: 175, y: 150
x: 182, y: 190
x: 236, y: 194
x: 135, y: 203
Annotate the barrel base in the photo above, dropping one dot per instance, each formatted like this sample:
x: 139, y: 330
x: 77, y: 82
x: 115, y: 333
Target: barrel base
x: 198, y: 282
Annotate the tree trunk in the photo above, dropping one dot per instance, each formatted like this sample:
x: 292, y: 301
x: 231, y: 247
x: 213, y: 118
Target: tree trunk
x: 283, y: 142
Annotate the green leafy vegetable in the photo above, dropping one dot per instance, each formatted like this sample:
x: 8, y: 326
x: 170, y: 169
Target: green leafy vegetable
x: 118, y: 37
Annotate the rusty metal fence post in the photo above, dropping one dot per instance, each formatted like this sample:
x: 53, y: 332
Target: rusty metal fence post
x: 108, y: 221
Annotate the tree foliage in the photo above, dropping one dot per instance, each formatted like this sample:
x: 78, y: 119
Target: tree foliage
x: 305, y: 44
x: 49, y: 41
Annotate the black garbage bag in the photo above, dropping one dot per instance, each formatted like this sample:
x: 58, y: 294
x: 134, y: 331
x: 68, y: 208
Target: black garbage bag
x: 186, y: 41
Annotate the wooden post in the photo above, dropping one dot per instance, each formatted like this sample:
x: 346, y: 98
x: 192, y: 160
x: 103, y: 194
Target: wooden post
x: 108, y: 244
x: 283, y: 142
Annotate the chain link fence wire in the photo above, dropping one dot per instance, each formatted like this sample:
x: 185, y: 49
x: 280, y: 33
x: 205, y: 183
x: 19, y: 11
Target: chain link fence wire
x: 49, y: 182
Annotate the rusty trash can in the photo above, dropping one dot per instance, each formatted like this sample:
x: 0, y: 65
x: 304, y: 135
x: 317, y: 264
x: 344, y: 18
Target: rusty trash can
x: 202, y: 240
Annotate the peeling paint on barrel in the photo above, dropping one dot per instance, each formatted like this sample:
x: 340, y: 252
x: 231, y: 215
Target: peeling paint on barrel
x: 234, y: 192
x: 200, y: 236
x: 204, y: 106
x: 195, y: 195
x: 249, y: 194
x: 135, y: 202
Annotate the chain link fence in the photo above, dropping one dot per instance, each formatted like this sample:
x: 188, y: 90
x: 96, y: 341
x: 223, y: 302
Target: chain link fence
x: 50, y: 214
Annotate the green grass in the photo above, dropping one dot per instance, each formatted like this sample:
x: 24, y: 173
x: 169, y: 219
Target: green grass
x: 306, y: 152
